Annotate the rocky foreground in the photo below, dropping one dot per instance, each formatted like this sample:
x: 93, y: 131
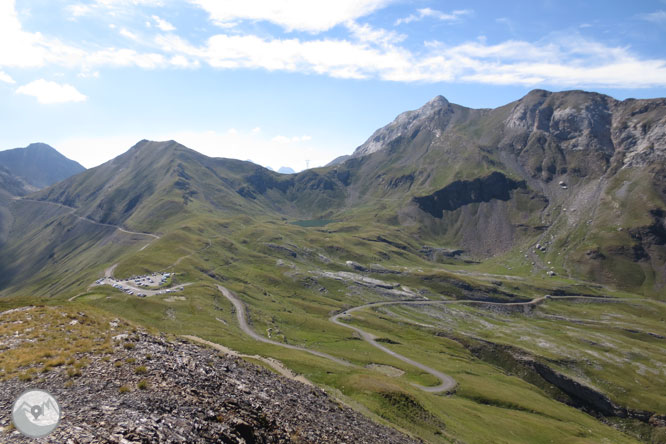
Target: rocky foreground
x: 146, y: 389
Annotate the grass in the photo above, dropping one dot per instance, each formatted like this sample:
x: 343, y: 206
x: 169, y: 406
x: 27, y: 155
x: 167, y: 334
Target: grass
x: 44, y: 338
x: 294, y: 303
x: 313, y: 223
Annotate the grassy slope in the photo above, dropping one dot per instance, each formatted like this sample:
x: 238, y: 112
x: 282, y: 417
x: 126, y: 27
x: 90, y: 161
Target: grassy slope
x: 295, y: 304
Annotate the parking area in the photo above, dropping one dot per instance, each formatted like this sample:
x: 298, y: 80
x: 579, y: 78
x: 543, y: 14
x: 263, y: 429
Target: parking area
x: 143, y: 285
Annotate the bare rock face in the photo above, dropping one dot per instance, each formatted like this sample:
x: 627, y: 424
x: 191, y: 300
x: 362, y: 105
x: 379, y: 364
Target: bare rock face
x: 150, y: 390
x: 406, y: 123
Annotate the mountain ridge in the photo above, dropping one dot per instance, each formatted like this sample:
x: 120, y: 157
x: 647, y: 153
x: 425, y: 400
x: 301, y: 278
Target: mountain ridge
x: 561, y: 167
x: 40, y: 165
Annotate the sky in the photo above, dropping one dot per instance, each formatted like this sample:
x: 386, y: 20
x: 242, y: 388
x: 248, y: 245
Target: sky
x: 298, y: 82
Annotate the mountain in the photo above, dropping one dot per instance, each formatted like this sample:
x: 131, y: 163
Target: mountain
x: 579, y: 173
x: 512, y: 258
x: 155, y: 187
x: 10, y: 187
x: 39, y: 164
x: 286, y: 170
x: 155, y: 181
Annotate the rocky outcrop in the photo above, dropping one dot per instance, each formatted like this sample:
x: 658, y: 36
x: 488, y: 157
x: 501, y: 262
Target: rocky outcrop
x: 434, y: 116
x: 150, y: 390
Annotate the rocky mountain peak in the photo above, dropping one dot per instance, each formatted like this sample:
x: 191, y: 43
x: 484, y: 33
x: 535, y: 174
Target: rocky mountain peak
x: 403, y: 124
x: 436, y: 102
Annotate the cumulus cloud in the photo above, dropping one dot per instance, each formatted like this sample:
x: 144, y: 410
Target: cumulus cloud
x: 453, y: 16
x: 129, y: 34
x: 292, y: 151
x: 562, y: 61
x: 292, y: 15
x: 367, y: 52
x: 163, y: 24
x: 378, y: 36
x: 48, y: 92
x: 4, y: 77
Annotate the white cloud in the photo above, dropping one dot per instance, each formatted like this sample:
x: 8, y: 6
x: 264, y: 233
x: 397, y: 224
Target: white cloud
x: 367, y: 52
x: 378, y: 36
x: 19, y: 48
x: 129, y: 34
x: 562, y: 61
x: 163, y: 24
x: 292, y: 15
x: 453, y: 16
x: 336, y: 58
x: 113, y: 6
x: 48, y: 92
x: 79, y: 9
x: 658, y: 17
x: 280, y: 139
x: 4, y: 77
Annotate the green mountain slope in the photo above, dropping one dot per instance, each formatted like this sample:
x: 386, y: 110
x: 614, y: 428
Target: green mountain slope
x: 422, y: 245
x: 39, y: 164
x: 155, y: 182
x: 579, y: 173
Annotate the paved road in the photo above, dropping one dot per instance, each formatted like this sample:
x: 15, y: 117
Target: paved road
x: 447, y: 384
x: 242, y: 322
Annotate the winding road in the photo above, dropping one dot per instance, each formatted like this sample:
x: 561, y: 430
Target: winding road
x: 242, y: 322
x: 447, y: 383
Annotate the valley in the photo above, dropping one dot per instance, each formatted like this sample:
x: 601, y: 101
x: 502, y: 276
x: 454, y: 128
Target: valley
x: 465, y: 276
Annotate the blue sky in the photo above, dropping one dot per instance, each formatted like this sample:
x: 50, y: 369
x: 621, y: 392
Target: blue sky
x: 284, y: 81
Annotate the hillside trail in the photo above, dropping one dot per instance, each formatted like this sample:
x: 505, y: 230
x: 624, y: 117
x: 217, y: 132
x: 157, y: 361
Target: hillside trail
x: 86, y: 219
x: 273, y: 363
